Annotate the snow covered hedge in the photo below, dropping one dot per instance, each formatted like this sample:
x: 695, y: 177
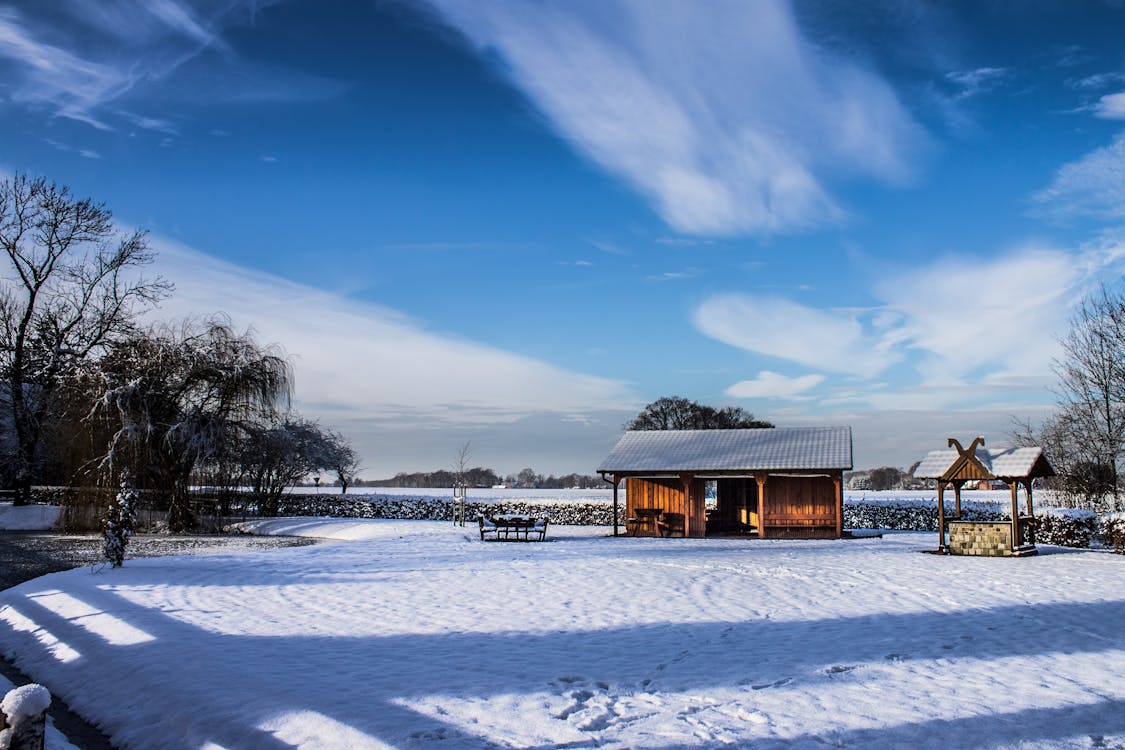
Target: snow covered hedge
x: 1113, y: 532
x: 909, y: 515
x: 1066, y: 527
x: 441, y: 509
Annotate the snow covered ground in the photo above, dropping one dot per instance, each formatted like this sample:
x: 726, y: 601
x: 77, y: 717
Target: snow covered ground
x: 28, y: 517
x: 413, y: 634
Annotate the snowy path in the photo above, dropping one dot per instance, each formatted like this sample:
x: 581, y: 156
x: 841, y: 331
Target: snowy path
x: 415, y: 634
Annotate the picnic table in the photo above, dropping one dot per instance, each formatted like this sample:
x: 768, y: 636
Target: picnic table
x: 512, y: 528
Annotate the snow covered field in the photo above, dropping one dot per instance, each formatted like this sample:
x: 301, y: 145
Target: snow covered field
x: 411, y: 634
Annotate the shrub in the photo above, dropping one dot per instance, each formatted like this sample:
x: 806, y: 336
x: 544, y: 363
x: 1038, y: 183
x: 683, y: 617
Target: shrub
x: 1065, y: 527
x: 1113, y: 532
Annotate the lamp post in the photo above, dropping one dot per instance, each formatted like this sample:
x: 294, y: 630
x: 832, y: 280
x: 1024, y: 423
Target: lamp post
x: 316, y: 481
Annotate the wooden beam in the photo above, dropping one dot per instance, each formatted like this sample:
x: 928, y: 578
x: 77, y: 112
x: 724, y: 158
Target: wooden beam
x: 761, y: 480
x: 1015, y: 516
x: 838, y: 483
x: 941, y: 517
x: 615, y: 481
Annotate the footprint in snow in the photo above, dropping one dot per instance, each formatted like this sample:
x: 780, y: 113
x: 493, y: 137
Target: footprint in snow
x: 753, y: 717
x: 840, y: 668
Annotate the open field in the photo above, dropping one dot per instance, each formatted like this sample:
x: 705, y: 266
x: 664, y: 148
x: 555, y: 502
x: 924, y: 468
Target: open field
x: 415, y: 634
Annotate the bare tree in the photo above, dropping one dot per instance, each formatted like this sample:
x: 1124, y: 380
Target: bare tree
x: 461, y: 463
x: 1091, y: 390
x: 72, y: 284
x: 341, y: 459
x: 176, y: 399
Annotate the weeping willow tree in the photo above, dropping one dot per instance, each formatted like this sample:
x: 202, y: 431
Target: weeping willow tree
x: 177, y: 398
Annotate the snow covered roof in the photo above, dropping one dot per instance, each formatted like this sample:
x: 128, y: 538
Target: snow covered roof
x: 1002, y: 462
x: 732, y: 450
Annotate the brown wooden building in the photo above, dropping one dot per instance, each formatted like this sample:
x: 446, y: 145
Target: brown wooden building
x: 770, y: 483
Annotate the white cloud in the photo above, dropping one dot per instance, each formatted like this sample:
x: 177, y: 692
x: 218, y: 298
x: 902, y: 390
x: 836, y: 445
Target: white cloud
x: 82, y: 59
x: 824, y: 339
x: 1092, y: 186
x: 362, y: 361
x: 972, y: 329
x: 772, y: 385
x: 1111, y: 107
x: 977, y: 81
x: 967, y: 313
x: 729, y: 121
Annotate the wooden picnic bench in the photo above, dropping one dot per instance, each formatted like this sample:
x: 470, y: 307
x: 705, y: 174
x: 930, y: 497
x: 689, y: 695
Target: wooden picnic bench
x: 512, y: 528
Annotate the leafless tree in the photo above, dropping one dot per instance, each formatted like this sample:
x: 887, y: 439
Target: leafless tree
x: 175, y: 399
x: 1091, y: 389
x: 72, y: 283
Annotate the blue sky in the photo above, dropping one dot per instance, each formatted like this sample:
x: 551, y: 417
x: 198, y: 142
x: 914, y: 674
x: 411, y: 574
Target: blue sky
x: 515, y: 223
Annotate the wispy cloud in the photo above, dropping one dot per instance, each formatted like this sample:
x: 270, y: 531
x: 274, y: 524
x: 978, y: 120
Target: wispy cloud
x: 976, y: 81
x: 824, y: 339
x: 82, y: 60
x: 772, y: 385
x: 1098, y: 80
x: 687, y: 273
x: 1092, y: 186
x: 964, y: 326
x: 729, y: 121
x: 365, y: 362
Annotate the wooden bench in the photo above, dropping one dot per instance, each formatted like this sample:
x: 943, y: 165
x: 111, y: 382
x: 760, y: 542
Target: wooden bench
x: 511, y: 528
x: 671, y: 523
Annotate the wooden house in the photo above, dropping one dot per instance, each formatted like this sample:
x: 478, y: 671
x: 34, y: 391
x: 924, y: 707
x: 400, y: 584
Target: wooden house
x: 957, y: 466
x: 769, y: 483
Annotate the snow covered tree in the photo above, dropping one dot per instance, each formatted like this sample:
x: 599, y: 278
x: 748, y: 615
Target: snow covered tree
x: 118, y: 524
x: 72, y: 286
x: 175, y: 399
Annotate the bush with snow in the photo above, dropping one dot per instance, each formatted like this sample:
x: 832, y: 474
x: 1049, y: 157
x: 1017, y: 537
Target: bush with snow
x: 1113, y: 532
x: 119, y: 522
x: 1066, y: 527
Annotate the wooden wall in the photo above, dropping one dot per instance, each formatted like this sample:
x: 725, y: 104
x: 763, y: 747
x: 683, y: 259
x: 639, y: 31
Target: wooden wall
x: 800, y: 507
x: 669, y: 495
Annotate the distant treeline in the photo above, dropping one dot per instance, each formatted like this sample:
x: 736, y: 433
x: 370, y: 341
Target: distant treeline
x: 480, y: 477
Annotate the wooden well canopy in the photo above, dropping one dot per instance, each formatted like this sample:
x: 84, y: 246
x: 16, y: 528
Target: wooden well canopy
x: 770, y: 482
x: 955, y: 466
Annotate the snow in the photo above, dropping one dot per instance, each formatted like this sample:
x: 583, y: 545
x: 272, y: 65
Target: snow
x: 414, y: 634
x: 26, y: 700
x: 1077, y: 514
x: 54, y: 739
x: 28, y: 517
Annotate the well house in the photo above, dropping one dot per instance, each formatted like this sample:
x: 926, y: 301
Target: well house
x: 769, y: 483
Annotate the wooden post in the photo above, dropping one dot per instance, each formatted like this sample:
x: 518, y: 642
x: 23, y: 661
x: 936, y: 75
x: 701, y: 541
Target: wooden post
x: 615, y: 481
x: 689, y: 506
x: 1030, y: 512
x: 957, y: 499
x: 761, y: 479
x: 838, y: 483
x: 941, y: 517
x: 23, y: 717
x: 1015, y: 486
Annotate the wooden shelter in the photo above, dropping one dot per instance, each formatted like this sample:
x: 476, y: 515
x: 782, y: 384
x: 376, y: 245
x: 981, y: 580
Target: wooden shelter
x: 1013, y: 466
x: 770, y: 483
